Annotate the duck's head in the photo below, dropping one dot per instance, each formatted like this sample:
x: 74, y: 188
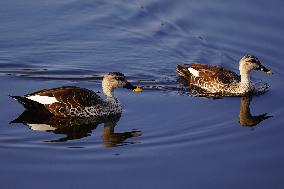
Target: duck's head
x: 250, y: 62
x: 115, y: 80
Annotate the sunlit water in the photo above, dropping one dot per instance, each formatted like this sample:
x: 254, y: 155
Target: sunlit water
x: 164, y: 137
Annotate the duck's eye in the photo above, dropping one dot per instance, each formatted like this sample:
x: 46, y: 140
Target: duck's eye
x: 119, y: 78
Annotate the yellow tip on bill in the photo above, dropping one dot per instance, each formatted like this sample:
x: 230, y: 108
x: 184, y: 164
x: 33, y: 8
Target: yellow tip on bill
x: 269, y: 72
x: 137, y: 89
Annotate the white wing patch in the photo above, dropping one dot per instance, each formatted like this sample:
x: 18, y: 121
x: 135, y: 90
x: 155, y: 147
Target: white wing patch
x: 193, y: 72
x: 43, y: 99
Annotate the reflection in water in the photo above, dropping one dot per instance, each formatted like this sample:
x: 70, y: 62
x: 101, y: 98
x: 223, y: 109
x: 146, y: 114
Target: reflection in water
x: 77, y: 128
x: 245, y: 117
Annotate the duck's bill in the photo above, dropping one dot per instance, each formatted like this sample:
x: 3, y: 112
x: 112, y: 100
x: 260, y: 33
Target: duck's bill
x: 137, y: 90
x: 265, y: 70
x: 133, y: 88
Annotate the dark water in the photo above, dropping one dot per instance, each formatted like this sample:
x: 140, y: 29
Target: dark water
x: 164, y: 138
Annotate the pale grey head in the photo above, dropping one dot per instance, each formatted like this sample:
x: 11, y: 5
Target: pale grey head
x: 115, y: 80
x: 249, y: 63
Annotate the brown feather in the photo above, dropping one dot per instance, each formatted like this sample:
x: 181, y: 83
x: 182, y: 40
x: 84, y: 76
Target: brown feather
x: 214, y: 73
x: 69, y: 97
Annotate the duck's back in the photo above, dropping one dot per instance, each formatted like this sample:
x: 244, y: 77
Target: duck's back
x: 71, y: 96
x: 214, y: 74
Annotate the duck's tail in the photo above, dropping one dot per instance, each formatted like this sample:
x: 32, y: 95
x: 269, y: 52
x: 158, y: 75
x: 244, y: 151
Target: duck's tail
x: 29, y: 104
x: 183, y: 71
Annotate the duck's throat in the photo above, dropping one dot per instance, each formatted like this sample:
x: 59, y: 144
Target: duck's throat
x: 245, y: 81
x: 108, y: 90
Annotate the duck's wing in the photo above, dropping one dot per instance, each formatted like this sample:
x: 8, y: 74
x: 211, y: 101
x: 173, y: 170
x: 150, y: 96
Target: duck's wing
x: 59, y: 100
x: 213, y: 73
x: 71, y: 96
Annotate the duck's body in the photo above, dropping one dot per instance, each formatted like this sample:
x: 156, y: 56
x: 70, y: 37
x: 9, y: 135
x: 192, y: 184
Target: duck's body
x: 214, y: 79
x: 217, y: 80
x: 70, y: 101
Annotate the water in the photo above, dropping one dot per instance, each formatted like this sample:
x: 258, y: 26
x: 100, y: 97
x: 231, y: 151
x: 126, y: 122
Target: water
x: 164, y: 138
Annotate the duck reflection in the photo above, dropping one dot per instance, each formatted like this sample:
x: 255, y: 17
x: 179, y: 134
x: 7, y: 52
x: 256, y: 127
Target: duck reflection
x: 245, y: 117
x: 77, y: 128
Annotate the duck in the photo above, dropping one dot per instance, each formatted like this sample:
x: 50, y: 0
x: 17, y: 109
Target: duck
x: 72, y: 101
x: 218, y: 80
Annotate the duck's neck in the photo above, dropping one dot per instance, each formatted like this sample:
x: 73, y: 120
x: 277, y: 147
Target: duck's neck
x: 108, y: 90
x: 245, y: 80
x: 245, y: 77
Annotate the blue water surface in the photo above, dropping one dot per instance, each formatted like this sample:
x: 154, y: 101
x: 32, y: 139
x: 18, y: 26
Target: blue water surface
x: 178, y: 141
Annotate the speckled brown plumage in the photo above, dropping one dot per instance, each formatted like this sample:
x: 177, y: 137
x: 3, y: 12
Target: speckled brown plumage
x: 211, y: 79
x: 214, y: 74
x: 72, y: 102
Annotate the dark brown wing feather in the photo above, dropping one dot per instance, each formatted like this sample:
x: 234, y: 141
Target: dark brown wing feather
x: 214, y: 73
x: 69, y: 97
